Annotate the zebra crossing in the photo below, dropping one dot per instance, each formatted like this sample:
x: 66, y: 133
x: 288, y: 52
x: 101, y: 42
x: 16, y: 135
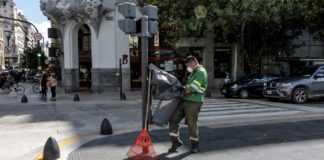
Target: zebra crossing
x: 225, y: 108
x: 232, y: 109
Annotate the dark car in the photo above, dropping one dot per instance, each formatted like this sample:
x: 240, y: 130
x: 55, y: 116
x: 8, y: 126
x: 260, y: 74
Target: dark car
x: 299, y: 86
x: 251, y: 85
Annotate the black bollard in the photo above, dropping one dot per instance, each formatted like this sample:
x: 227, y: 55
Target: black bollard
x: 51, y: 149
x: 24, y: 99
x: 106, y: 128
x: 76, y: 98
x: 123, y: 96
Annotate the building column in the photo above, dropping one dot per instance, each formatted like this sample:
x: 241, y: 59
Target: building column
x: 71, y: 59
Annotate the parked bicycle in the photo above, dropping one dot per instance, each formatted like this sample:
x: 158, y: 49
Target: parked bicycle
x: 10, y: 85
x: 36, y: 87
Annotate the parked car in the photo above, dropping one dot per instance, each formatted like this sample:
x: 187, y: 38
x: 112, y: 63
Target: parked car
x: 251, y: 85
x: 301, y: 85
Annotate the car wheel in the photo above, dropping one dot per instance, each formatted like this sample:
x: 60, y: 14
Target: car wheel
x: 244, y: 94
x: 299, y: 95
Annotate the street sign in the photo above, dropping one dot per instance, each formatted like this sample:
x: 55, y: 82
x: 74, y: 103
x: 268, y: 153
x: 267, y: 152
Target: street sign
x: 38, y: 36
x: 8, y: 49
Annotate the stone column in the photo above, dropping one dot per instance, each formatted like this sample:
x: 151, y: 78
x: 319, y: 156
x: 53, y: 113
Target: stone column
x: 71, y: 80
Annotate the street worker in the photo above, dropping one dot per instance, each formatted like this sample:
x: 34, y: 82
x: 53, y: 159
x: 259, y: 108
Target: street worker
x: 190, y: 105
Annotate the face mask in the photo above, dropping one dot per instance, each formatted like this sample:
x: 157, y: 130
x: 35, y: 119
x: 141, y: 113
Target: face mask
x: 189, y: 69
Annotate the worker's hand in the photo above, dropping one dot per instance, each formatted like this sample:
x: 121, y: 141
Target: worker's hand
x: 186, y: 90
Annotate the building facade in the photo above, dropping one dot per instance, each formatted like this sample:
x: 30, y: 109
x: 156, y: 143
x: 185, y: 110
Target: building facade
x: 14, y: 34
x: 92, y: 44
x: 2, y: 58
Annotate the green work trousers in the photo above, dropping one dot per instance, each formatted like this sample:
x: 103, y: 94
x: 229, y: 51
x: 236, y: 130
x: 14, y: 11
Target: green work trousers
x: 188, y: 110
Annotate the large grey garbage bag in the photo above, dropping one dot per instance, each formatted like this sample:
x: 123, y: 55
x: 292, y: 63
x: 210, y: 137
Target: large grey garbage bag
x: 164, y: 111
x: 164, y: 85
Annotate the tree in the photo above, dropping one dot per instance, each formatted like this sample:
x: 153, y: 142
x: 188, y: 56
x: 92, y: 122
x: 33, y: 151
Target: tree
x: 263, y: 27
x: 313, y: 13
x: 30, y: 57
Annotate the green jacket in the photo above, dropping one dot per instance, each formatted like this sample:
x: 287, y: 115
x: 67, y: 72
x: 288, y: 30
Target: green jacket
x: 197, y: 82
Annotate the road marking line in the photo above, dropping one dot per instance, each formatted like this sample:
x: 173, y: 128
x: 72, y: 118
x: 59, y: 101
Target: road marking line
x: 67, y: 141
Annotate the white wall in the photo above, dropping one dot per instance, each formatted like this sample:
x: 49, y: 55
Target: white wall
x: 105, y: 57
x: 122, y: 41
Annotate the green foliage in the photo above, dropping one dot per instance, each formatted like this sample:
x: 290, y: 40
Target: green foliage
x: 30, y: 57
x: 260, y: 27
x: 56, y: 68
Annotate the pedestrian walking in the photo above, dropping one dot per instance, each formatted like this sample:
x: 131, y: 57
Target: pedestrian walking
x: 52, y: 83
x: 43, y: 81
x: 189, y: 106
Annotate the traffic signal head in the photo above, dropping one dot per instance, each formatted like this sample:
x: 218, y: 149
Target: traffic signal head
x: 152, y: 13
x: 127, y: 9
x: 39, y: 55
x: 153, y: 27
x: 127, y: 25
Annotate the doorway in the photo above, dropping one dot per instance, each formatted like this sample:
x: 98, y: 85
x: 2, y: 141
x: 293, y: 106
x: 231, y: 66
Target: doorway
x: 85, y: 65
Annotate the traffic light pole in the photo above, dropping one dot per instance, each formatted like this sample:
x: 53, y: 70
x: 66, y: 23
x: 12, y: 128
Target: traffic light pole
x: 149, y: 27
x: 20, y: 21
x: 38, y: 43
x: 144, y: 48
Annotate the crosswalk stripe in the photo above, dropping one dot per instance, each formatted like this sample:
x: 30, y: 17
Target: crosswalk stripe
x: 227, y: 109
x: 245, y: 111
x: 262, y: 114
x: 232, y: 108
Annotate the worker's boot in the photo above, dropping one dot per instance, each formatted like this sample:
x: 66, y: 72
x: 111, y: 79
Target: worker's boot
x: 194, y: 146
x: 176, y: 142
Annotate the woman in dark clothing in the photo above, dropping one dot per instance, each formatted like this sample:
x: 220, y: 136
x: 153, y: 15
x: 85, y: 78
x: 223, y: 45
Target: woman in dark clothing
x: 44, y: 85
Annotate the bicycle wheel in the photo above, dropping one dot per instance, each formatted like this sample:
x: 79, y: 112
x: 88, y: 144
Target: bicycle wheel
x: 6, y: 89
x: 36, y: 88
x: 19, y: 89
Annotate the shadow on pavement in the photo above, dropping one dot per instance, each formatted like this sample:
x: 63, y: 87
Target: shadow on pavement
x: 211, y: 139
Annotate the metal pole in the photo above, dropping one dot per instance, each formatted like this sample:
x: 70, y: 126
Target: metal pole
x: 120, y: 80
x: 39, y: 62
x: 144, y: 46
x: 20, y: 21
